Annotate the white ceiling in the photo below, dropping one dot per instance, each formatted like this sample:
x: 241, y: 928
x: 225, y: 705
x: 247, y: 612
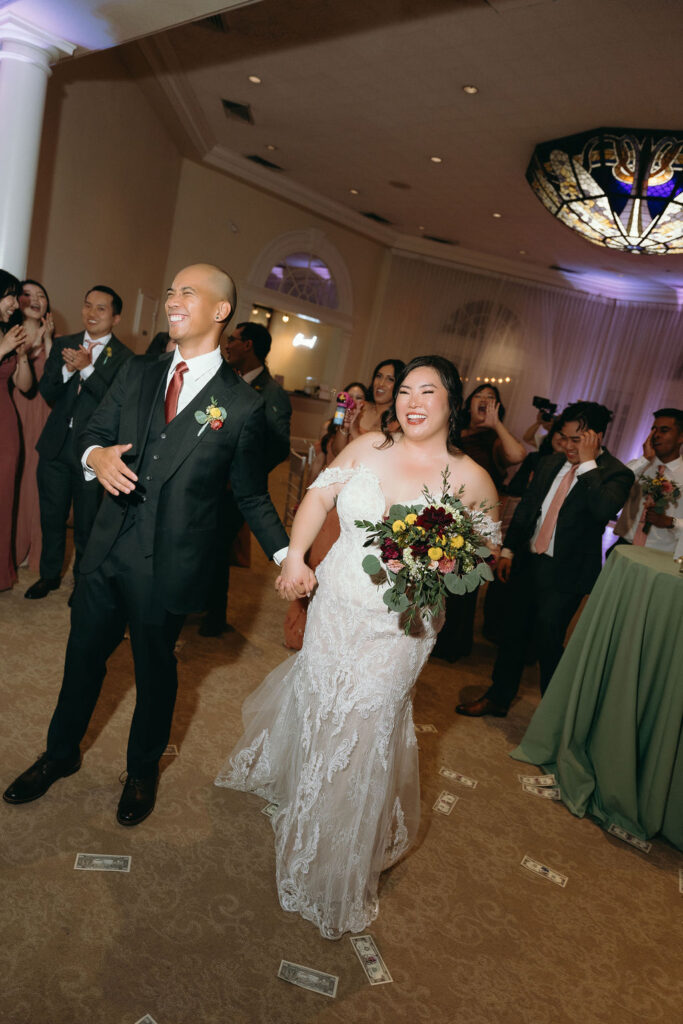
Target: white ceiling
x: 360, y: 93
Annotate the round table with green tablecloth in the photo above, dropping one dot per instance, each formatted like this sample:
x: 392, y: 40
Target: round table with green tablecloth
x: 610, y: 723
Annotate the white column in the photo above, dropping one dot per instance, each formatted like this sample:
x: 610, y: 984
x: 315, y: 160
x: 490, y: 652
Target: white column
x: 26, y: 52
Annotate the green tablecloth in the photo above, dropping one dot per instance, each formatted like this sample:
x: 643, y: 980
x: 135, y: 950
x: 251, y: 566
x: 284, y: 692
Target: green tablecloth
x: 610, y: 723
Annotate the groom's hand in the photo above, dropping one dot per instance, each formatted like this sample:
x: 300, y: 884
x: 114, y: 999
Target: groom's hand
x: 295, y: 580
x: 111, y: 471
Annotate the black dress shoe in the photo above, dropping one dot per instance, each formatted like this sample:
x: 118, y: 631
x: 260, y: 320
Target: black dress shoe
x: 37, y: 779
x: 213, y: 626
x: 483, y: 706
x: 137, y: 800
x: 41, y: 588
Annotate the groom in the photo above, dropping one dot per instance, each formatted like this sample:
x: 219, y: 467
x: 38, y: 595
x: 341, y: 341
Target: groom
x: 165, y: 441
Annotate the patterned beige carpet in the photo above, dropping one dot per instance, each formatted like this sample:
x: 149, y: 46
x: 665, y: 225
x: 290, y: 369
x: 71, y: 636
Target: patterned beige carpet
x: 194, y: 933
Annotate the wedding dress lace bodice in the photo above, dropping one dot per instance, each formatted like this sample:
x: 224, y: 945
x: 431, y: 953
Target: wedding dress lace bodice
x: 329, y: 734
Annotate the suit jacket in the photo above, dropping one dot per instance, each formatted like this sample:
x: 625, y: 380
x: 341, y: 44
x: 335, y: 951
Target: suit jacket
x: 278, y: 417
x: 65, y: 398
x: 195, y: 477
x: 595, y: 498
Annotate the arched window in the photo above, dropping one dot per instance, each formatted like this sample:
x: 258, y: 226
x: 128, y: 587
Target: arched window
x: 301, y: 275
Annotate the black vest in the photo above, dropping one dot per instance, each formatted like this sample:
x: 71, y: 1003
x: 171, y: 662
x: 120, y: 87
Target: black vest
x: 152, y: 470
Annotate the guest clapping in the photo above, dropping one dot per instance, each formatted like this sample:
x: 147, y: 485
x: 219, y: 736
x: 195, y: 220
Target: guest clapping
x: 15, y: 370
x: 642, y: 523
x: 33, y: 413
x: 78, y: 373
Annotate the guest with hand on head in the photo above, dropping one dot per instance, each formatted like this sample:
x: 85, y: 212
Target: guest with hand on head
x: 359, y: 421
x: 34, y: 305
x: 640, y: 522
x: 163, y: 443
x: 78, y: 373
x: 552, y: 550
x: 15, y: 371
x: 246, y: 349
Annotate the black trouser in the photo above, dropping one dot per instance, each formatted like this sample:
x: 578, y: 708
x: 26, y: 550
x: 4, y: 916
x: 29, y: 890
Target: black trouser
x: 231, y: 521
x: 60, y: 480
x: 121, y: 590
x: 535, y: 607
x: 456, y: 636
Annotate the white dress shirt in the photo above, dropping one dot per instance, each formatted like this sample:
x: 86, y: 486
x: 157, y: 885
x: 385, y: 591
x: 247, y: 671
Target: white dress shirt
x: 251, y: 374
x: 660, y: 538
x: 583, y: 467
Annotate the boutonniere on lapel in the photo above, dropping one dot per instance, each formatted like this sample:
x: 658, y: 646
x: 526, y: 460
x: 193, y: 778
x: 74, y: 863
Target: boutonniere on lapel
x: 107, y: 355
x: 214, y: 416
x: 258, y: 387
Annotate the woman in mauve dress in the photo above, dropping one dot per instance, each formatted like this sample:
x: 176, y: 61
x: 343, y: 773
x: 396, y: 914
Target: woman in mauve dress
x: 33, y: 412
x: 15, y: 370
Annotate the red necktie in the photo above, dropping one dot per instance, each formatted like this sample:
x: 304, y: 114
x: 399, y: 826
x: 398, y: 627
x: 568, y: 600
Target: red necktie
x: 174, y: 389
x: 550, y: 521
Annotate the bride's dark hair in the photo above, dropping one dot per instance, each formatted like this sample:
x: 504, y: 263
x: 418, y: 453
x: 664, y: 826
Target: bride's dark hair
x: 450, y: 378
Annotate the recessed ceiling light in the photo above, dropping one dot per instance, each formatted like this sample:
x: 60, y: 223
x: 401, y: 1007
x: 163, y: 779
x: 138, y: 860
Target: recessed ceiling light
x: 471, y: 90
x: 436, y: 159
x: 354, y: 191
x: 420, y: 227
x: 497, y: 215
x: 254, y: 79
x: 522, y: 252
x: 271, y: 147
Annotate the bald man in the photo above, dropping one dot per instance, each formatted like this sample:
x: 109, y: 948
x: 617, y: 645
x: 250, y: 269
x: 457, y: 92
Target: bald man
x: 171, y: 433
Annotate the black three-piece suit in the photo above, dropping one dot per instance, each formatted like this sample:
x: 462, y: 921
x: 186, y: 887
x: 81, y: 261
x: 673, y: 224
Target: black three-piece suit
x: 149, y: 558
x: 60, y: 477
x: 278, y: 411
x: 544, y: 592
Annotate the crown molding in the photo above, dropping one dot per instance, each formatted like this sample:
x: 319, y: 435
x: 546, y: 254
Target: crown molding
x: 161, y: 59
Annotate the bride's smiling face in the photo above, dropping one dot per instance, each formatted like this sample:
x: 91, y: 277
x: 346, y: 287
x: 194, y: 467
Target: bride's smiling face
x: 422, y: 406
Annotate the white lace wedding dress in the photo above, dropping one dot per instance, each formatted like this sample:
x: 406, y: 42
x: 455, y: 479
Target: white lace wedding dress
x: 329, y: 734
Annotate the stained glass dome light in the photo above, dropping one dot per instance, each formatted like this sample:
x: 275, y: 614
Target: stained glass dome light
x: 621, y: 188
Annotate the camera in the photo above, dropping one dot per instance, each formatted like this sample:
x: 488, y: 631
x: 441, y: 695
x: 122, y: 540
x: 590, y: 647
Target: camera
x: 545, y: 407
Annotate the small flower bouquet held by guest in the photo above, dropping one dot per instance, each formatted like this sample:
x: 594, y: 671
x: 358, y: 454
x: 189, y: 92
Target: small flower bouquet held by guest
x: 659, y: 492
x: 428, y: 551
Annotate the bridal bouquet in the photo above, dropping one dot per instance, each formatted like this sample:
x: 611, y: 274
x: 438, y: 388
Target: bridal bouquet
x: 660, y: 493
x: 428, y: 551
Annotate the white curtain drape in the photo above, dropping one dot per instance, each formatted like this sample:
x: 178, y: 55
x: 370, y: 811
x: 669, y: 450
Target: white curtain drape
x: 552, y: 342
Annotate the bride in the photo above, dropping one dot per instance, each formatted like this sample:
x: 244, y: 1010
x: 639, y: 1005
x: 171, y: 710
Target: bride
x: 329, y: 734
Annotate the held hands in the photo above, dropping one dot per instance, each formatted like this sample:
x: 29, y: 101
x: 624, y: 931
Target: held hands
x: 111, y: 471
x: 648, y: 450
x: 76, y: 358
x: 503, y: 569
x: 295, y: 580
x: 589, y: 445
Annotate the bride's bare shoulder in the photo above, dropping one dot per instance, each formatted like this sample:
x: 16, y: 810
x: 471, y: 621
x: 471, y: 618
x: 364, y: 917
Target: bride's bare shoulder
x: 363, y: 449
x: 477, y: 482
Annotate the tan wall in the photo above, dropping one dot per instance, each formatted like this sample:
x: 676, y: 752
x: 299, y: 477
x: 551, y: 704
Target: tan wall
x: 107, y: 183
x: 209, y: 200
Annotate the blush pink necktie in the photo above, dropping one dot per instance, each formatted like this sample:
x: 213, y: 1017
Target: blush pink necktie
x: 174, y: 389
x: 550, y: 522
